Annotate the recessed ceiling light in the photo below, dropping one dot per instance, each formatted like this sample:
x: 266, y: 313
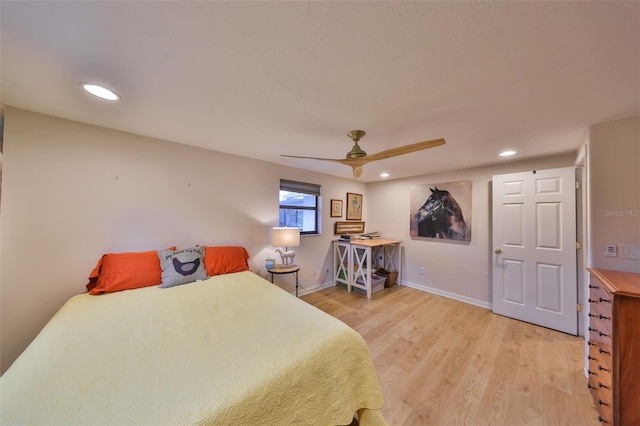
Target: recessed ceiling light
x: 507, y: 153
x: 101, y: 92
x: 385, y: 174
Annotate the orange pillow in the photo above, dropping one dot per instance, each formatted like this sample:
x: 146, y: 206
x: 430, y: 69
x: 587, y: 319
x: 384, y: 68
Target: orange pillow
x: 225, y: 260
x: 124, y: 271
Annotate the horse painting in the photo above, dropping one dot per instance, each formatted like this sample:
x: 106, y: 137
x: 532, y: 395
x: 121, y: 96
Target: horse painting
x: 441, y: 217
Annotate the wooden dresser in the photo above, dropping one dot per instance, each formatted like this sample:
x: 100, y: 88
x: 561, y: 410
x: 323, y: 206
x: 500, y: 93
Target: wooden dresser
x: 614, y: 345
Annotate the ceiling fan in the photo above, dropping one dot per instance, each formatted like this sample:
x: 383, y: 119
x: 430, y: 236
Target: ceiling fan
x: 357, y: 158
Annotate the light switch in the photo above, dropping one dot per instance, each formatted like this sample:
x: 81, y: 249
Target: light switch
x: 630, y: 251
x: 610, y: 250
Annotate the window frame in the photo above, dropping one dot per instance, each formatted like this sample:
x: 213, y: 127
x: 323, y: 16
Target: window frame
x: 302, y: 188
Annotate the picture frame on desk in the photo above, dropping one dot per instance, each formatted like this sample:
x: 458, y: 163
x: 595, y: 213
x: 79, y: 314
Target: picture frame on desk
x: 349, y: 228
x: 336, y: 208
x: 354, y: 206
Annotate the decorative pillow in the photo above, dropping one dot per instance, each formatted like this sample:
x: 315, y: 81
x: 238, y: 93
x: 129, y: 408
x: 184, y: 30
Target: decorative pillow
x: 225, y: 260
x: 125, y: 271
x: 182, y: 266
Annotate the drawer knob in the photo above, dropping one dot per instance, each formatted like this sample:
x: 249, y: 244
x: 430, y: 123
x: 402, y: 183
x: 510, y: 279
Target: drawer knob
x: 591, y: 358
x: 603, y: 317
x: 590, y: 343
x: 600, y: 385
x: 590, y: 387
x: 604, y: 300
x: 592, y: 301
x: 601, y: 402
x: 601, y: 368
x: 602, y: 351
x: 593, y: 286
x: 601, y: 420
x: 592, y: 329
x: 590, y: 372
x: 603, y: 334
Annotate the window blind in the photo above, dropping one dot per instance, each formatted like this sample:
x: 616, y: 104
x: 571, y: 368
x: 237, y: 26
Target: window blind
x: 302, y: 187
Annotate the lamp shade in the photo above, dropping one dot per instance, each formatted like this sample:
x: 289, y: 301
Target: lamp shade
x: 285, y: 237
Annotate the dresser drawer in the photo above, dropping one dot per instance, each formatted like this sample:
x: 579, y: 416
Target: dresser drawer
x: 604, y: 299
x: 600, y: 373
x: 596, y: 288
x: 602, y: 340
x: 600, y: 386
x: 602, y: 358
x: 600, y: 310
x: 600, y: 330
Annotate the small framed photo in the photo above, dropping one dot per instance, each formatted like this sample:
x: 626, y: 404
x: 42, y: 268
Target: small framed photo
x: 336, y: 208
x: 349, y: 228
x: 354, y: 206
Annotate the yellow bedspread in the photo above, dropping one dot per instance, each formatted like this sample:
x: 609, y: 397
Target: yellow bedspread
x: 231, y: 350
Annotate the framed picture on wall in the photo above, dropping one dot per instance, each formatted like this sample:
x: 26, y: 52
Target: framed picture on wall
x: 354, y: 206
x: 349, y: 228
x: 441, y: 212
x: 336, y: 208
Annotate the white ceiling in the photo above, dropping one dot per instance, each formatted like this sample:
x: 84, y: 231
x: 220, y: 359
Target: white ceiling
x: 260, y: 79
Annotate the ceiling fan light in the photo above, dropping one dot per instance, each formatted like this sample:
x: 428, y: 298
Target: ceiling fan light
x: 100, y: 92
x: 507, y: 153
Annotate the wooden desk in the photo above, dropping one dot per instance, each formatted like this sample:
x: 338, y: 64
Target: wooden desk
x: 353, y: 261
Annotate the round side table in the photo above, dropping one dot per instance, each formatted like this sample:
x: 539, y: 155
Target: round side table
x: 279, y: 270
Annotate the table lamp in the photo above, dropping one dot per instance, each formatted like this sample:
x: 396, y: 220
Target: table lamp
x: 285, y: 237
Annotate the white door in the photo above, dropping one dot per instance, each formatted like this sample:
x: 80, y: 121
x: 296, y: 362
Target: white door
x: 534, y: 243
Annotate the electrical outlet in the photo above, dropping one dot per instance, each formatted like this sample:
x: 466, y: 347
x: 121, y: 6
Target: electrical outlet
x: 610, y: 250
x: 421, y: 270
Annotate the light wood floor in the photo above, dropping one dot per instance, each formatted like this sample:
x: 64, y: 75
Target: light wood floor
x: 442, y: 362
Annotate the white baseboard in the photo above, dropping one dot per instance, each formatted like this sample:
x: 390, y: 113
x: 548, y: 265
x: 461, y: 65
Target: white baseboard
x: 303, y: 291
x: 449, y: 295
x: 421, y: 287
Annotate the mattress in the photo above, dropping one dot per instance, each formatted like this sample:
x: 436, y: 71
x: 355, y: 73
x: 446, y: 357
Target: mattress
x: 233, y: 349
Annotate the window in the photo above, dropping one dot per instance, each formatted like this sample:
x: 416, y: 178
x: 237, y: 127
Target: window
x: 299, y: 203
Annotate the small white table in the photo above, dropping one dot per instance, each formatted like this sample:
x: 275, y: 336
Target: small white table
x: 353, y: 261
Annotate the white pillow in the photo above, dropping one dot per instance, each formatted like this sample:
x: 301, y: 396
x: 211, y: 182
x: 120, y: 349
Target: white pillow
x: 182, y: 266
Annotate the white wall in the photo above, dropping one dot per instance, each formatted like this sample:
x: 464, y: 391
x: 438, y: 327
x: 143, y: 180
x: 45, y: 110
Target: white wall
x: 461, y: 271
x: 72, y: 192
x: 614, y: 190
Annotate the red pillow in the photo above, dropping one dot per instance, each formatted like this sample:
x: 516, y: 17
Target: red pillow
x: 225, y: 260
x: 124, y: 271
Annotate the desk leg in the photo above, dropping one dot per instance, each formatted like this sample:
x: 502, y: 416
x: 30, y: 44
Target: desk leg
x: 296, y: 283
x: 272, y: 278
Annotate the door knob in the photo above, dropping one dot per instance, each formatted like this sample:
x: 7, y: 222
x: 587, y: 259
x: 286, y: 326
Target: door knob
x: 498, y: 251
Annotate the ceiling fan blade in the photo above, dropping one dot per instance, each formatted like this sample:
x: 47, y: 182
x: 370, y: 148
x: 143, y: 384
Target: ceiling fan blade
x: 401, y: 150
x: 314, y: 158
x: 355, y: 163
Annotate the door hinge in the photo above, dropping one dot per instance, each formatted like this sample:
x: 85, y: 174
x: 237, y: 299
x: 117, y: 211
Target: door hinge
x: 578, y: 245
x: 579, y: 307
x: 578, y: 184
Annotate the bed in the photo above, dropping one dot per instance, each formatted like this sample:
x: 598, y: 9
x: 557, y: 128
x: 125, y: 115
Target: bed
x: 232, y: 349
